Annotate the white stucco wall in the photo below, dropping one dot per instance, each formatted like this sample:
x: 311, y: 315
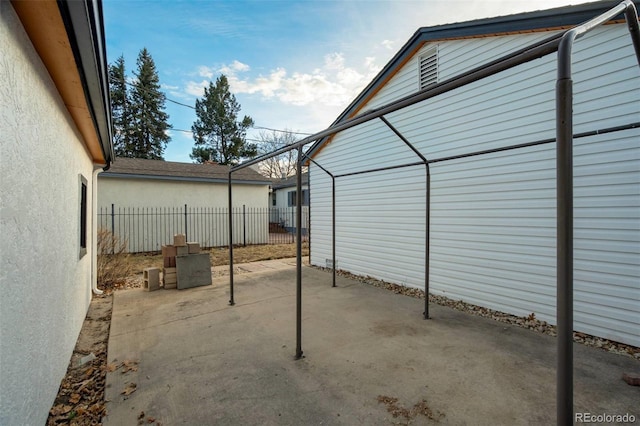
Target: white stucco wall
x: 46, y: 288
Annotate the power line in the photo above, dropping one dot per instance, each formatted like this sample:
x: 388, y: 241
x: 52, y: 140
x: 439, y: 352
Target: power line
x: 193, y: 108
x: 284, y: 131
x: 189, y: 131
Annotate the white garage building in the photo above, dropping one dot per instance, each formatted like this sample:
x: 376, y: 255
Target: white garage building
x: 146, y: 202
x: 492, y: 233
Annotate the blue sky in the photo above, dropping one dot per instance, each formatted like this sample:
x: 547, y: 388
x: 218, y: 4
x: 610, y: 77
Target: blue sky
x: 292, y: 65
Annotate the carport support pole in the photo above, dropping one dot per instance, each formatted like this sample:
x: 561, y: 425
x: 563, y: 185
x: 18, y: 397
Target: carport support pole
x: 427, y: 214
x: 231, y: 301
x: 333, y: 229
x: 333, y: 217
x: 564, y: 200
x: 299, y: 255
x: 564, y: 189
x: 426, y: 244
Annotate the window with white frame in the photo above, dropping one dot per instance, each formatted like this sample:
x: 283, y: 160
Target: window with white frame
x: 428, y: 67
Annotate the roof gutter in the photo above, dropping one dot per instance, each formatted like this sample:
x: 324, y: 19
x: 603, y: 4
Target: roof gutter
x: 83, y: 22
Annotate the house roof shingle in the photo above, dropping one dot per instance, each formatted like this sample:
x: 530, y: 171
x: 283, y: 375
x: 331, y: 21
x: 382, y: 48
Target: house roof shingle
x: 171, y: 170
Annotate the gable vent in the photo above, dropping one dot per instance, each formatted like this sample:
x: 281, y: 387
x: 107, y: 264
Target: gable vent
x: 428, y: 62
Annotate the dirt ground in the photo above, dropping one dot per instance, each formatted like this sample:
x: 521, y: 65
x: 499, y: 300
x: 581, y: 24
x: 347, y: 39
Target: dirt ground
x: 81, y: 399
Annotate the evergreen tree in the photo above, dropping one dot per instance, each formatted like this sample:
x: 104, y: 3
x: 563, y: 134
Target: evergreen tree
x: 149, y: 121
x: 120, y: 112
x: 217, y: 133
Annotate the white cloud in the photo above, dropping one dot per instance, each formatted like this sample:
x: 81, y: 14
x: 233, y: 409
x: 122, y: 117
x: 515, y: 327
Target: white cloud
x: 334, y: 61
x: 196, y: 88
x: 234, y: 67
x: 205, y: 72
x: 333, y: 84
x: 239, y: 66
x: 388, y: 44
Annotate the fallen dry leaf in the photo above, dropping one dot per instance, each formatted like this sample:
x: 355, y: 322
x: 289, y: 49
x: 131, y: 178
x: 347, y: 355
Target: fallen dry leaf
x: 74, y: 398
x: 129, y: 366
x: 97, y: 408
x: 60, y: 409
x: 84, y: 384
x: 131, y: 388
x: 112, y: 367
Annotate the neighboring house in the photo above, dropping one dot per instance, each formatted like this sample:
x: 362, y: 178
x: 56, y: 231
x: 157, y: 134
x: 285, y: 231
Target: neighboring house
x: 493, y: 216
x: 284, y: 201
x: 54, y: 139
x: 148, y: 198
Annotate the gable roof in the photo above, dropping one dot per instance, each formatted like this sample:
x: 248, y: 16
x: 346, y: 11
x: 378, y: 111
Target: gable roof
x: 69, y: 38
x: 289, y: 182
x: 538, y: 21
x: 140, y: 168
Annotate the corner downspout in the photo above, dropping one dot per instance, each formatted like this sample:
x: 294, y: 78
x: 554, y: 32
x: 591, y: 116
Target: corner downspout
x: 94, y: 226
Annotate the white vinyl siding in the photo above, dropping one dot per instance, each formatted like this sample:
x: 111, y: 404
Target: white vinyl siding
x: 493, y: 219
x: 382, y: 240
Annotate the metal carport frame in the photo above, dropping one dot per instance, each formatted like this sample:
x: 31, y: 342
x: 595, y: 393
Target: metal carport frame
x: 562, y: 43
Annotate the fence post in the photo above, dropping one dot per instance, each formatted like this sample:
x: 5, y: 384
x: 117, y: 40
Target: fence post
x: 113, y: 229
x: 186, y: 236
x: 244, y: 225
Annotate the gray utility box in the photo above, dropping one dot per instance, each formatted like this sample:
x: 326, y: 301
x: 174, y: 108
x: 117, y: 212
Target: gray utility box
x: 194, y: 270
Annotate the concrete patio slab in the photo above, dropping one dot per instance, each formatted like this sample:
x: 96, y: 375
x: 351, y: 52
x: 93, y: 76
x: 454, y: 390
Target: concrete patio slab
x: 367, y: 350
